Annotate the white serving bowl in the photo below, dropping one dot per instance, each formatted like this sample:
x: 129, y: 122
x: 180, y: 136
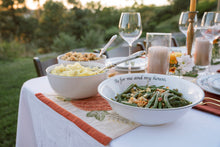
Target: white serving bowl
x: 102, y: 60
x: 109, y: 88
x: 76, y: 87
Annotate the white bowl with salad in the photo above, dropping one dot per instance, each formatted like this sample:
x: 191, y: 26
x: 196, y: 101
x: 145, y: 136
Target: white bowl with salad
x: 150, y: 99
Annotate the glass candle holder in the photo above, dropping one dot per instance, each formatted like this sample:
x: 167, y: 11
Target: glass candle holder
x: 202, y: 54
x: 158, y: 47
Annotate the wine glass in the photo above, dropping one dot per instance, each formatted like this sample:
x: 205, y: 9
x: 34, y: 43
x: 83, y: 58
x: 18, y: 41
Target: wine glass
x: 130, y: 29
x: 208, y: 26
x: 207, y: 30
x: 217, y: 24
x: 184, y: 23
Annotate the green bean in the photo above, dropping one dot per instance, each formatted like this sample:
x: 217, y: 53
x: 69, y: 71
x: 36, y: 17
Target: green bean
x: 136, y: 95
x: 177, y: 98
x: 141, y: 87
x: 170, y: 98
x: 153, y: 89
x: 160, y: 86
x: 178, y: 102
x: 130, y: 104
x: 152, y: 86
x: 166, y: 92
x: 126, y: 96
x: 166, y: 101
x: 160, y: 105
x: 174, y: 97
x: 156, y: 100
x: 142, y: 93
x: 150, y: 95
x: 129, y: 88
x: 151, y: 101
x: 118, y: 97
x: 174, y: 92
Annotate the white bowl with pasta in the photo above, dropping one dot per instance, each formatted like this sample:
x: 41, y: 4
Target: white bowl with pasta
x: 151, y: 115
x: 75, y: 82
x: 72, y: 57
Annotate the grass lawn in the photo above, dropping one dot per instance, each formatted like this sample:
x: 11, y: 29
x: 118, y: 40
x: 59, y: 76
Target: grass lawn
x: 12, y: 76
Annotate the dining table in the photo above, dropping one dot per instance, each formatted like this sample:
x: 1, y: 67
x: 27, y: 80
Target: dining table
x: 47, y: 120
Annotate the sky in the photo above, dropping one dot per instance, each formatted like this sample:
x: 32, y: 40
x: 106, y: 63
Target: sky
x: 118, y: 3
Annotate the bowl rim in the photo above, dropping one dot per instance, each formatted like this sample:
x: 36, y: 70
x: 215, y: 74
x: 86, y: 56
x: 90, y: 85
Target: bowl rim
x: 49, y: 68
x: 149, y: 109
x: 102, y: 58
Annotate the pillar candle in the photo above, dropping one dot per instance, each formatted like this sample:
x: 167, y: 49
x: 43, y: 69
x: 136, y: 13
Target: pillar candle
x: 202, y: 52
x: 158, y: 60
x: 192, y: 5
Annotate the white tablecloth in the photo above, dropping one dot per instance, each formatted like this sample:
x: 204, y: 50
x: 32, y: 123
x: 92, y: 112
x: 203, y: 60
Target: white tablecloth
x: 40, y: 126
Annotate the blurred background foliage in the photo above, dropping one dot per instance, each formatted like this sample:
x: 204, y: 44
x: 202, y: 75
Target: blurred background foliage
x: 54, y: 28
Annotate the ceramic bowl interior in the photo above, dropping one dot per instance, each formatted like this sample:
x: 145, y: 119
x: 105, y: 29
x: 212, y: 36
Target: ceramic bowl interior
x: 109, y: 88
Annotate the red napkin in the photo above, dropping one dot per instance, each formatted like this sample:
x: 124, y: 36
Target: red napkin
x: 209, y: 106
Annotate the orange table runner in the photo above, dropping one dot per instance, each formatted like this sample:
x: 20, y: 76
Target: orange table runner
x: 104, y: 129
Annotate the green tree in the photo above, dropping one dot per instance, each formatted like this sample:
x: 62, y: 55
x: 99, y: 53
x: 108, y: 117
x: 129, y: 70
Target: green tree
x: 75, y: 3
x: 108, y: 17
x: 148, y: 17
x: 179, y: 5
x: 64, y: 43
x: 38, y: 8
x: 27, y: 26
x: 10, y: 15
x: 92, y: 39
x: 50, y: 24
x: 76, y: 22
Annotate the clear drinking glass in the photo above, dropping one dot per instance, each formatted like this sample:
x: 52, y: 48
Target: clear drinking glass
x: 217, y: 24
x: 184, y: 23
x: 216, y: 45
x: 130, y: 29
x: 159, y: 45
x: 217, y: 18
x: 203, y: 46
x: 208, y: 26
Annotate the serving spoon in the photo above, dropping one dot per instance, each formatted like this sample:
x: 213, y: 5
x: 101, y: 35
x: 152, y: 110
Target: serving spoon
x: 107, y: 45
x: 131, y: 57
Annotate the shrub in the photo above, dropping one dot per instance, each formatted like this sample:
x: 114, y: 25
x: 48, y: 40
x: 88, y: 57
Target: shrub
x: 110, y: 32
x: 11, y: 50
x: 205, y: 6
x: 92, y: 39
x: 170, y: 25
x: 64, y: 42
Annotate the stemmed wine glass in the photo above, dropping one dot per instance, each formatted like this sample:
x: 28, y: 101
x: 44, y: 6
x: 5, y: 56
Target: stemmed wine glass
x: 184, y: 23
x: 209, y: 32
x: 130, y: 29
x: 208, y: 26
x: 217, y: 24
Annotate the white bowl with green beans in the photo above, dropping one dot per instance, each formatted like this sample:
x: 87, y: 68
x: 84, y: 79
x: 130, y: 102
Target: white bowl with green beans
x: 150, y: 99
